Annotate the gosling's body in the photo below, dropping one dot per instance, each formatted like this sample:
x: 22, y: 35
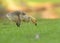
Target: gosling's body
x: 19, y: 16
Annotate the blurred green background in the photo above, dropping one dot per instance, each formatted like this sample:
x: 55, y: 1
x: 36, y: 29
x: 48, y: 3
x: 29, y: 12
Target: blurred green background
x: 48, y: 29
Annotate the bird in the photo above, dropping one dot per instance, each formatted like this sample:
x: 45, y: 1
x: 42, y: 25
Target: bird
x: 20, y: 16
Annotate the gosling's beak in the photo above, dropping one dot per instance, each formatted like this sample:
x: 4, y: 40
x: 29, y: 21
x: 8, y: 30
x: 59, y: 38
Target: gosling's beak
x: 35, y: 24
x: 34, y: 21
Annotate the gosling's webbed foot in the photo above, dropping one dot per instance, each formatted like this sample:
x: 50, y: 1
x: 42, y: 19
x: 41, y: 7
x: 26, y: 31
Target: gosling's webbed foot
x: 18, y: 24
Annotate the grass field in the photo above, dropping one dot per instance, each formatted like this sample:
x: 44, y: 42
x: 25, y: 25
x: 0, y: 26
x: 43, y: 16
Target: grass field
x: 49, y: 31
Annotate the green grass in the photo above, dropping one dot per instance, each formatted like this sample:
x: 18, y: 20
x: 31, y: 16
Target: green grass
x: 49, y: 31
